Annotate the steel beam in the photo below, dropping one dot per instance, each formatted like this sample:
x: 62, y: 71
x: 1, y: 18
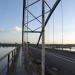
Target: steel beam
x: 34, y: 16
x: 47, y: 5
x: 37, y: 28
x: 37, y: 17
x: 27, y: 27
x: 32, y: 31
x: 32, y: 3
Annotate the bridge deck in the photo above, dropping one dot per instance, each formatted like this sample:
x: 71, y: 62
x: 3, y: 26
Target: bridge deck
x: 68, y: 54
x: 62, y: 61
x: 21, y: 65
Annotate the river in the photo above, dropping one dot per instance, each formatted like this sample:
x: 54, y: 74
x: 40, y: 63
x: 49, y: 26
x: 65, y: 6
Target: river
x: 3, y: 51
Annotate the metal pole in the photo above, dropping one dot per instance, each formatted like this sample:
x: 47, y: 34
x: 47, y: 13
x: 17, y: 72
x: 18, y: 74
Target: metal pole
x: 43, y: 39
x: 23, y: 20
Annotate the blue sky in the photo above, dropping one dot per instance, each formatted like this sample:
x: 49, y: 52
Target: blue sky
x: 10, y: 17
x: 68, y: 23
x: 11, y: 20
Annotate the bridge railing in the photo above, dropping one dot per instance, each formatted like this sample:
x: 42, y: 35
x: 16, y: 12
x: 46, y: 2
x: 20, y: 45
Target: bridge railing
x: 8, y: 59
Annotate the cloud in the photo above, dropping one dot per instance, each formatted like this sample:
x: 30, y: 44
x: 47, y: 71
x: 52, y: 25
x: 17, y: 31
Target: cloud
x: 2, y: 30
x: 16, y: 29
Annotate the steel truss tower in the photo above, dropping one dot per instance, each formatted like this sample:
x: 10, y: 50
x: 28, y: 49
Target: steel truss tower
x: 29, y: 16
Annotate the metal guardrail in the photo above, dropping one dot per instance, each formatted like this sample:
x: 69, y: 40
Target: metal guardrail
x: 11, y: 56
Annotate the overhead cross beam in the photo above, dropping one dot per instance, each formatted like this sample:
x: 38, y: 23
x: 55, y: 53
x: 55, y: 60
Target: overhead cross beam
x: 32, y: 3
x: 37, y: 17
x: 33, y: 16
x: 32, y: 31
x: 51, y: 12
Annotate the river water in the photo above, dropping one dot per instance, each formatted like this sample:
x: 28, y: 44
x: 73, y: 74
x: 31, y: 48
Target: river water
x: 4, y: 51
x: 67, y: 49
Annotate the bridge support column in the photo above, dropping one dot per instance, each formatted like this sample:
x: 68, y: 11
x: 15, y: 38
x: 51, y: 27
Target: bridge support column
x: 43, y: 39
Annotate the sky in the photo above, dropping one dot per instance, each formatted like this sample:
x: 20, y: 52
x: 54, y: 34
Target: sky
x: 11, y: 22
x: 68, y: 8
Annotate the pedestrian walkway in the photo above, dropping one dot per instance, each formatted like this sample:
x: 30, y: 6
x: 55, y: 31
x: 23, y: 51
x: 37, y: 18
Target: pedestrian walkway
x: 20, y: 70
x: 19, y: 66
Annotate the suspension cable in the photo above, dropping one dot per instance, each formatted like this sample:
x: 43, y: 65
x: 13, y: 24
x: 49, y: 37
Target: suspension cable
x: 62, y: 22
x: 53, y: 28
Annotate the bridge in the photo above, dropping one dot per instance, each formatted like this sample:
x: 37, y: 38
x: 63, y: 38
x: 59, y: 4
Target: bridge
x: 39, y: 58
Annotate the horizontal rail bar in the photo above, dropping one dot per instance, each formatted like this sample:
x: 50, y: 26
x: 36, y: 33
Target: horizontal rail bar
x: 11, y: 57
x: 6, y: 55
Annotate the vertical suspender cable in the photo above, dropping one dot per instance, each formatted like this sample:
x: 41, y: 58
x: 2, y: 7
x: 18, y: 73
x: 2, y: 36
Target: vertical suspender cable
x: 43, y: 38
x: 62, y: 22
x: 23, y: 25
x: 27, y: 29
x: 53, y: 28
